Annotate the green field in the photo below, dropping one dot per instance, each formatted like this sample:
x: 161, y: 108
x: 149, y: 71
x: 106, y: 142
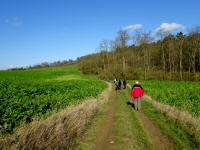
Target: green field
x: 184, y: 95
x: 29, y: 94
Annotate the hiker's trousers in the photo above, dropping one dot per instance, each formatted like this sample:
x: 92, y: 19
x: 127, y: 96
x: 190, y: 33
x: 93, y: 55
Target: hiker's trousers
x: 137, y: 103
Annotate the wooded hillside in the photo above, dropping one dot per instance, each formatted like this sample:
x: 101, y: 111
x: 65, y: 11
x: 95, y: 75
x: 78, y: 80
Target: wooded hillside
x: 142, y: 56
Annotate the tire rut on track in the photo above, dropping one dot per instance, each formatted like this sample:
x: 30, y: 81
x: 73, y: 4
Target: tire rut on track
x: 159, y: 141
x: 104, y: 137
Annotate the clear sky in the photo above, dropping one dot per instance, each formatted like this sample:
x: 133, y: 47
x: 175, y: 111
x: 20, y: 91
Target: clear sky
x: 34, y: 31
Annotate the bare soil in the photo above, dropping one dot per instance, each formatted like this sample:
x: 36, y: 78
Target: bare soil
x: 104, y: 137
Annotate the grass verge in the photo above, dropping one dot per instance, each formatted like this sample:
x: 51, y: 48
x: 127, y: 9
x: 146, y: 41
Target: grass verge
x: 175, y: 132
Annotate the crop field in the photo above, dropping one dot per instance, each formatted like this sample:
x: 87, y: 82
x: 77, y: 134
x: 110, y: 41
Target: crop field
x: 30, y: 94
x: 184, y: 95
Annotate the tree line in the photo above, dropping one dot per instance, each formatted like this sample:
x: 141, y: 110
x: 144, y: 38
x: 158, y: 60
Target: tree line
x: 45, y: 65
x: 165, y: 57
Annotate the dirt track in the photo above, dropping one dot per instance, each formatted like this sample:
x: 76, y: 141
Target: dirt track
x: 104, y: 140
x: 104, y: 137
x: 159, y: 141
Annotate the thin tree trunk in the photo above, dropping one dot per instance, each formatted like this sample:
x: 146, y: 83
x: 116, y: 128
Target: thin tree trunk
x: 170, y: 65
x: 180, y: 63
x: 164, y: 64
x: 199, y: 61
x: 193, y: 63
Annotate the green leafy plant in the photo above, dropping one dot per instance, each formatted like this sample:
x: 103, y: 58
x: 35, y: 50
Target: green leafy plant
x: 25, y: 95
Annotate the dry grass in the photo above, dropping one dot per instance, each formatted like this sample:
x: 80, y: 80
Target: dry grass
x: 192, y: 124
x: 58, y: 131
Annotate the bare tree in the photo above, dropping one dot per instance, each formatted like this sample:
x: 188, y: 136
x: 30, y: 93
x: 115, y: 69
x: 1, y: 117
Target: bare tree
x: 162, y: 34
x: 144, y: 39
x: 180, y: 40
x: 104, y: 47
x: 195, y: 31
x: 123, y: 38
x: 194, y: 43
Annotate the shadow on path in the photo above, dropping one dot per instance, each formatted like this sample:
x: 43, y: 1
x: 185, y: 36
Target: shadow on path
x: 131, y: 104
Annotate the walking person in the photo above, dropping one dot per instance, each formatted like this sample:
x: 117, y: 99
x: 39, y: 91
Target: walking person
x: 116, y: 84
x: 137, y: 93
x: 124, y: 83
x: 120, y: 85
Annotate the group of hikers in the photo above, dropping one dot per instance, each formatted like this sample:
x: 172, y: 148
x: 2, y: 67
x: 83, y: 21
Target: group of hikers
x: 118, y: 84
x: 137, y: 92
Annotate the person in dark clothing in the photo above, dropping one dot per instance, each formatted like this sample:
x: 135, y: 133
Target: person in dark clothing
x: 120, y: 84
x: 116, y: 84
x: 124, y: 83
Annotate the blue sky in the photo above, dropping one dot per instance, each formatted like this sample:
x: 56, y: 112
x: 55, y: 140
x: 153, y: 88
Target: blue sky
x: 34, y: 31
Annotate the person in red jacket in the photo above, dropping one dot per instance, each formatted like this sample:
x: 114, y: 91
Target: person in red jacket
x: 137, y: 93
